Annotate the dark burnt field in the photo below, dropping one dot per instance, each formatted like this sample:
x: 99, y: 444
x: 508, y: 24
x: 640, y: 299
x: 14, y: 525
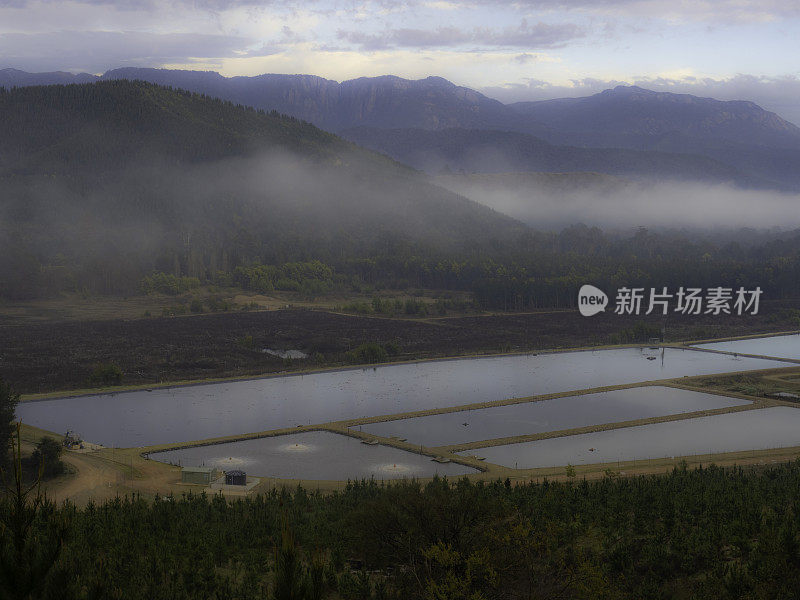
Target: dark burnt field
x: 62, y: 355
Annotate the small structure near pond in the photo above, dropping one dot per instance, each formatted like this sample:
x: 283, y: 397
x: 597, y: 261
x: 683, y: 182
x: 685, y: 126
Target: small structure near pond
x: 235, y: 477
x: 198, y: 475
x: 72, y: 440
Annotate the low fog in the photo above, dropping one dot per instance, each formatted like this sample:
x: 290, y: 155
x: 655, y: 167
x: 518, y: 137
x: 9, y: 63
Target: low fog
x: 107, y: 229
x: 554, y: 201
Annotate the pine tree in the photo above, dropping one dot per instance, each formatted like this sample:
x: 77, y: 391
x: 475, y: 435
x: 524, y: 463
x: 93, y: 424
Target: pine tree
x: 289, y: 581
x: 8, y: 407
x: 32, y: 533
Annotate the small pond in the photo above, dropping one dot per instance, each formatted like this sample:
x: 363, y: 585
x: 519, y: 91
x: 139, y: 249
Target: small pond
x: 549, y: 415
x: 312, y: 455
x: 758, y: 429
x: 783, y: 346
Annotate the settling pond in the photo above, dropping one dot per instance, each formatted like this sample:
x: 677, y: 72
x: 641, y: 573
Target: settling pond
x: 196, y: 412
x: 312, y: 455
x: 758, y: 429
x: 549, y: 415
x: 783, y: 346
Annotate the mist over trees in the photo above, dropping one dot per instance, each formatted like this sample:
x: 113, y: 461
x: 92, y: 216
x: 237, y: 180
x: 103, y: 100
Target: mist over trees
x: 110, y: 187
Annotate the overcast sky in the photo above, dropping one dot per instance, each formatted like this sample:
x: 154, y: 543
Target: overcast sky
x: 509, y: 49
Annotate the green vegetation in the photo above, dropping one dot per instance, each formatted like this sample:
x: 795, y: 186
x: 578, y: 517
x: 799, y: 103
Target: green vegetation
x: 706, y: 533
x: 47, y: 458
x: 165, y: 283
x: 368, y: 353
x: 32, y: 535
x: 105, y: 375
x: 393, y: 307
x: 247, y: 341
x: 371, y: 353
x: 311, y: 279
x: 8, y: 406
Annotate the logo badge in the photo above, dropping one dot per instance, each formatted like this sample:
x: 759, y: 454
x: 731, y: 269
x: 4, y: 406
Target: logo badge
x: 591, y: 300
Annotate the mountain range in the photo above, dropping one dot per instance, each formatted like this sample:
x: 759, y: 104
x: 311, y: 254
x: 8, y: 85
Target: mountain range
x: 654, y: 134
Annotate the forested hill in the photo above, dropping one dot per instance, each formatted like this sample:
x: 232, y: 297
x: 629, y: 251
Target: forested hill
x: 108, y: 124
x: 103, y: 183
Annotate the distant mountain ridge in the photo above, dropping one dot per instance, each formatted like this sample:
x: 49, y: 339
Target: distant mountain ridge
x: 386, y: 101
x: 436, y: 103
x: 492, y: 151
x: 635, y: 111
x: 16, y: 78
x: 750, y: 140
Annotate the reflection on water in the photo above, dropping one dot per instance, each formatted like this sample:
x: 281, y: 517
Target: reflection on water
x: 549, y: 415
x: 202, y: 411
x: 324, y: 455
x: 776, y: 427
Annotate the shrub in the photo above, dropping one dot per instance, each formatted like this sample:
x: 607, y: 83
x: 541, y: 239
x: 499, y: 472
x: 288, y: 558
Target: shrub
x: 392, y: 348
x: 217, y: 304
x: 103, y: 374
x: 415, y: 307
x: 367, y: 353
x: 48, y: 454
x: 166, y: 283
x: 247, y: 342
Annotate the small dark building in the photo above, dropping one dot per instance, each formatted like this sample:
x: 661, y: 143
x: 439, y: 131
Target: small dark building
x: 235, y: 478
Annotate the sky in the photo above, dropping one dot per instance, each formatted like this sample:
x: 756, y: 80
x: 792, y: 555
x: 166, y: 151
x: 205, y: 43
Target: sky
x: 510, y: 50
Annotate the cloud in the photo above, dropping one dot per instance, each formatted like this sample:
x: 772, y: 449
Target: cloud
x: 96, y: 51
x: 777, y: 94
x: 216, y: 5
x: 540, y: 35
x: 526, y: 58
x: 715, y: 11
x: 442, y: 5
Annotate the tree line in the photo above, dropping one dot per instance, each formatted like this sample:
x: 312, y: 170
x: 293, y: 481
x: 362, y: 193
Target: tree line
x: 705, y: 533
x: 520, y: 280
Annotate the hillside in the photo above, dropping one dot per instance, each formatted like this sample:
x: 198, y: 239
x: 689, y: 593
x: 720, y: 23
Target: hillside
x: 105, y: 182
x: 482, y: 151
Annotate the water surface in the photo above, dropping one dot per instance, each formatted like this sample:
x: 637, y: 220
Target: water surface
x: 759, y: 429
x: 783, y: 346
x: 549, y: 415
x: 196, y: 412
x: 312, y: 455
